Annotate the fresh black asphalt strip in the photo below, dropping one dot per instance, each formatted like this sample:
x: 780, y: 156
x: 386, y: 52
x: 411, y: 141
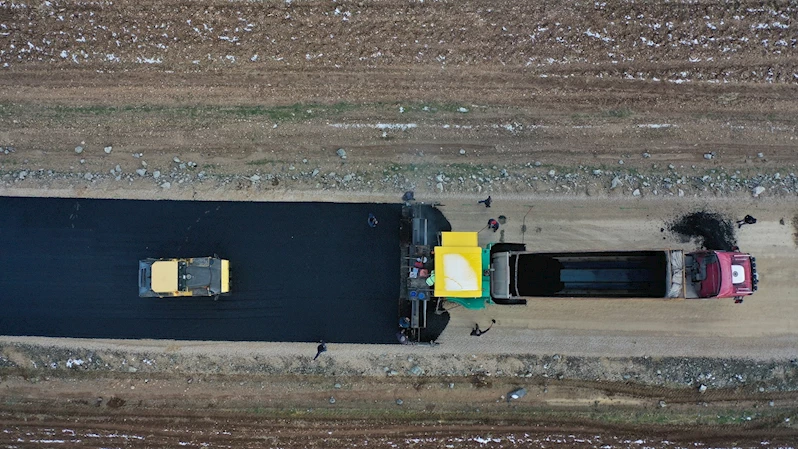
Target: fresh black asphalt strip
x: 301, y: 271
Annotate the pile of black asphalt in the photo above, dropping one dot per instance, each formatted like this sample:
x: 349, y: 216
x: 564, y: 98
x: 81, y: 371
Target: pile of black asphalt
x: 710, y: 230
x: 300, y: 271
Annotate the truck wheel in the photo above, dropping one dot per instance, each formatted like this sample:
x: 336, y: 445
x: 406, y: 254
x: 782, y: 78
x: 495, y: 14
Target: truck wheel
x: 501, y: 247
x: 510, y: 302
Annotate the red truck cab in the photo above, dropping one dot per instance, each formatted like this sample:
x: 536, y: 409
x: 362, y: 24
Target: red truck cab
x: 722, y: 274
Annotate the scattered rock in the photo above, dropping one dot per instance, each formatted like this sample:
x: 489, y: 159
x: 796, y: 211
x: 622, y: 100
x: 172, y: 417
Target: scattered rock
x: 141, y: 171
x: 646, y: 155
x: 552, y: 172
x: 662, y: 404
x: 615, y: 183
x: 156, y: 174
x: 462, y: 110
x: 78, y: 149
x: 416, y: 370
x: 538, y: 164
x: 462, y: 151
x: 439, y: 186
x: 166, y: 185
x: 758, y: 190
x: 332, y: 400
x: 399, y: 402
x: 760, y: 155
x: 176, y: 159
x: 709, y: 155
x: 518, y: 393
x: 254, y: 178
x: 620, y: 162
x: 702, y: 388
x: 108, y: 149
x: 88, y: 176
x: 341, y: 153
x: 315, y: 173
x: 636, y: 192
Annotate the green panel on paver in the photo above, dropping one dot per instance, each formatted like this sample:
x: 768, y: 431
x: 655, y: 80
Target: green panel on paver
x: 479, y: 303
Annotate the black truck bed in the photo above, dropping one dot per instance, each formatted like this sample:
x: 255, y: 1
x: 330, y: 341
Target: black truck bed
x: 640, y: 274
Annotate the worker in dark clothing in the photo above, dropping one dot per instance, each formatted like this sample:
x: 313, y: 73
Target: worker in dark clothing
x: 493, y: 224
x: 321, y: 348
x: 402, y: 337
x: 408, y: 196
x: 486, y: 201
x: 476, y: 332
x: 373, y: 220
x: 746, y: 220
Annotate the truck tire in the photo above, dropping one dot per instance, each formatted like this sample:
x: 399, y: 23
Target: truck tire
x: 510, y: 302
x: 501, y: 247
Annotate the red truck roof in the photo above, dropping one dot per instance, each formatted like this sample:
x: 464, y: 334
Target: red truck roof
x: 734, y: 276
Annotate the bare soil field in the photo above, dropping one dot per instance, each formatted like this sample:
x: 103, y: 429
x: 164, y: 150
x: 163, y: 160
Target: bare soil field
x: 593, y: 125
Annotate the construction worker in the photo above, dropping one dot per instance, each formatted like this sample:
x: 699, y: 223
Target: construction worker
x: 476, y: 332
x: 321, y: 348
x: 402, y: 337
x: 493, y: 224
x: 373, y: 220
x: 746, y: 220
x: 486, y: 201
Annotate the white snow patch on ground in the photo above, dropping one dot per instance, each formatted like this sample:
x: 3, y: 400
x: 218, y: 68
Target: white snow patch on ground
x: 74, y: 362
x: 655, y: 125
x: 141, y: 60
x: 399, y: 126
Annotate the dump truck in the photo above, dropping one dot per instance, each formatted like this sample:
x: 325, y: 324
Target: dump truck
x: 506, y: 273
x: 517, y: 274
x: 198, y: 276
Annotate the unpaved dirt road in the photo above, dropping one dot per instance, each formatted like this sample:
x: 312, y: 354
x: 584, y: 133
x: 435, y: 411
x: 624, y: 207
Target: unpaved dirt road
x: 611, y: 119
x: 762, y: 327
